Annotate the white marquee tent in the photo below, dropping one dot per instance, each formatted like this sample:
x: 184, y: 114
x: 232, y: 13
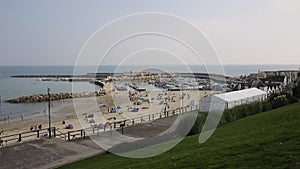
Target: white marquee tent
x: 231, y: 99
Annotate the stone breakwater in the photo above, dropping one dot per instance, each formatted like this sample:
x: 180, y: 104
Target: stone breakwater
x: 56, y: 96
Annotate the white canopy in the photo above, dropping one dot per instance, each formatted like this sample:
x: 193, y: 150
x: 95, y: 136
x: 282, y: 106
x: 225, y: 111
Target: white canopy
x: 241, y: 94
x: 231, y: 99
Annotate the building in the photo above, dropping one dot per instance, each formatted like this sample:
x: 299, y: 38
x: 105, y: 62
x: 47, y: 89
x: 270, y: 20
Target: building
x: 290, y: 75
x: 231, y: 99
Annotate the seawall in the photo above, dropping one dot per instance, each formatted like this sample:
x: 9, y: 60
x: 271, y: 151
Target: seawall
x: 57, y: 96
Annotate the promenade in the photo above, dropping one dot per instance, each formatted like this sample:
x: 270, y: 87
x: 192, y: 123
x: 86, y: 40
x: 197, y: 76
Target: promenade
x: 50, y: 153
x: 46, y: 153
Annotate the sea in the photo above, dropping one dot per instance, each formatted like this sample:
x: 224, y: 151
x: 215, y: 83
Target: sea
x: 16, y: 87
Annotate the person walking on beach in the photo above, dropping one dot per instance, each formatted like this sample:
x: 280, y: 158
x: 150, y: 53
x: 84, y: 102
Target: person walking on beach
x: 22, y: 118
x: 8, y: 119
x: 40, y: 127
x: 1, y: 142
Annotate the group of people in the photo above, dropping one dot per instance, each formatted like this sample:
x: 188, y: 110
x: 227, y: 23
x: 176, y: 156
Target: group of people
x: 112, y: 118
x: 36, y: 127
x: 132, y: 96
x: 6, y: 119
x: 114, y: 109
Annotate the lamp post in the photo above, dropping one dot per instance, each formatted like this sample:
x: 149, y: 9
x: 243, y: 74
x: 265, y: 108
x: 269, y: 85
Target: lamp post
x: 49, y: 105
x: 182, y: 95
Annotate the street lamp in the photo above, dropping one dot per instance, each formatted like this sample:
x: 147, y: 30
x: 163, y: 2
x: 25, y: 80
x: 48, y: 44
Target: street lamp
x: 49, y: 105
x: 182, y: 94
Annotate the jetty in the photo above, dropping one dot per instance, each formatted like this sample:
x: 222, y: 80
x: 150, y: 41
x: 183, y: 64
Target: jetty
x: 97, y: 82
x: 88, y: 75
x: 129, y: 76
x: 56, y: 96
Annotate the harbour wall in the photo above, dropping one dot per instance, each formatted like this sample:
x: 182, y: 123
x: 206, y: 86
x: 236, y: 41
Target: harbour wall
x: 56, y: 96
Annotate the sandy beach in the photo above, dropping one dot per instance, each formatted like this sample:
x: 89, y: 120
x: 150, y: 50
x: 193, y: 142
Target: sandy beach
x: 86, y: 112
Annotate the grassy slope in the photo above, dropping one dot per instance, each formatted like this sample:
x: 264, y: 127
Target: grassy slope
x: 266, y: 140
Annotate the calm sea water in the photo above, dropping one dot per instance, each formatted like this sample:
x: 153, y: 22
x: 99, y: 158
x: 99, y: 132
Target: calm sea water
x: 16, y: 87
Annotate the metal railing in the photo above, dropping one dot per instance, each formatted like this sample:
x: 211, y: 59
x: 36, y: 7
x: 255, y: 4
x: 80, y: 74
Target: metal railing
x: 19, y: 137
x: 82, y: 133
x: 146, y: 118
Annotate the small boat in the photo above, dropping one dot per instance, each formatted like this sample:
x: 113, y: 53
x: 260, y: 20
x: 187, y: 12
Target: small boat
x: 46, y: 79
x: 97, y: 82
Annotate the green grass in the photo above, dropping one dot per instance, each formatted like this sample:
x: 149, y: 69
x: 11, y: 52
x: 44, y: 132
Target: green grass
x: 266, y: 140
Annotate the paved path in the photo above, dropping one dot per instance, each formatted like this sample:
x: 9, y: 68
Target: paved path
x: 46, y: 153
x: 50, y: 153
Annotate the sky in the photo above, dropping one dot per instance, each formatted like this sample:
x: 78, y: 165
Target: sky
x: 53, y: 32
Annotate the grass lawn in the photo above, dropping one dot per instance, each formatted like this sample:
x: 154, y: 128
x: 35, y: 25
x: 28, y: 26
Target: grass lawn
x: 266, y: 140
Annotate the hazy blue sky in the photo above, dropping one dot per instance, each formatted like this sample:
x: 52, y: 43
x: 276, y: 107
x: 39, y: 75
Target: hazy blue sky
x: 52, y: 32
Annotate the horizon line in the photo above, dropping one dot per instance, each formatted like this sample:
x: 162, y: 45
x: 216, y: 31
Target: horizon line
x: 158, y: 65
